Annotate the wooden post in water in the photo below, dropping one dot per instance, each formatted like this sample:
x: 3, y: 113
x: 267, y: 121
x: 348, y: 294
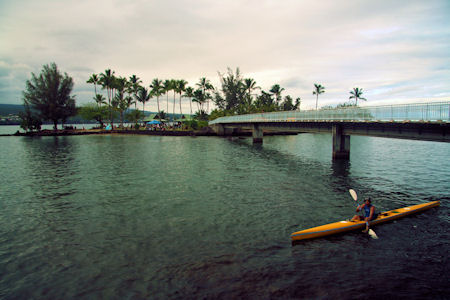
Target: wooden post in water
x: 341, y: 143
x: 257, y: 134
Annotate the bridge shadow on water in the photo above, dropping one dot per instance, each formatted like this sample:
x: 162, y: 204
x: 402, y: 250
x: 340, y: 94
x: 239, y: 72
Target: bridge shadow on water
x: 337, y: 172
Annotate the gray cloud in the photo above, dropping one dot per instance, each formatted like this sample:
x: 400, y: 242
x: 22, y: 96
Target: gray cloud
x: 391, y: 49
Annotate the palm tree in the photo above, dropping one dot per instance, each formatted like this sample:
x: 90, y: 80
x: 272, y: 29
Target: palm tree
x: 100, y: 99
x: 143, y: 95
x: 250, y: 85
x: 173, y: 84
x: 162, y: 115
x: 180, y: 87
x: 120, y: 103
x: 205, y: 85
x: 107, y: 81
x: 95, y: 80
x: 157, y: 90
x: 276, y: 91
x: 189, y: 92
x: 298, y: 101
x: 318, y: 89
x: 167, y: 87
x: 199, y: 98
x: 357, y: 93
x: 134, y: 86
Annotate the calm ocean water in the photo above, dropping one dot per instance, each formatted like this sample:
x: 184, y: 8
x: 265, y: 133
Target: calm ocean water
x: 145, y: 217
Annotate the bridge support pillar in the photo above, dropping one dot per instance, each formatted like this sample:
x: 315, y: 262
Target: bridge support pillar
x: 257, y: 134
x: 341, y: 143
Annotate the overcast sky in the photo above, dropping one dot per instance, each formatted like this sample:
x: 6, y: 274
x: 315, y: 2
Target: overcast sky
x: 397, y: 51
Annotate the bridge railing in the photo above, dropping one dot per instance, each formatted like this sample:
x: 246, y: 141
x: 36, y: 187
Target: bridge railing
x: 419, y: 112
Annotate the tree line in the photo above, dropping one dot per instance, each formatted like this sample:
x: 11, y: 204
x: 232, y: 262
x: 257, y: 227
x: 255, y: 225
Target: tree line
x: 47, y: 97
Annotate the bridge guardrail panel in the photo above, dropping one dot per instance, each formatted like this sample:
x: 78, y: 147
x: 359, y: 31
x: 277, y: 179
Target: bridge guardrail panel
x: 427, y: 112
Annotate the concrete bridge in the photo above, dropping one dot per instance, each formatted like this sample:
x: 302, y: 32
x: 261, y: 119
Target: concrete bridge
x: 422, y: 121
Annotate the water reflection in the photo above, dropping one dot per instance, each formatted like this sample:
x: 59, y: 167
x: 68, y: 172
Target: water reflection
x: 341, y: 167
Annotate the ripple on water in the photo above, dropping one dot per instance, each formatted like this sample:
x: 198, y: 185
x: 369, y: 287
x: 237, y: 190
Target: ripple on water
x: 170, y: 217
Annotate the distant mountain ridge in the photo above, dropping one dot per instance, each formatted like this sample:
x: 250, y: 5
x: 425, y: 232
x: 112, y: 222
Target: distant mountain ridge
x: 6, y: 109
x: 14, y: 109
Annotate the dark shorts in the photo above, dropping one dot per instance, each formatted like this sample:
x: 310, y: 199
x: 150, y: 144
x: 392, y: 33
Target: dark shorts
x: 375, y: 215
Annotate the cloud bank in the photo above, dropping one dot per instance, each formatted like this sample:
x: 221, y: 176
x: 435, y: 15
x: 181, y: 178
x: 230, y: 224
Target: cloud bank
x: 397, y: 51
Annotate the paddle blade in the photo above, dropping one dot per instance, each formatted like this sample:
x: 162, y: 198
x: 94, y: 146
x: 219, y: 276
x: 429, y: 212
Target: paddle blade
x: 373, y: 234
x: 353, y: 194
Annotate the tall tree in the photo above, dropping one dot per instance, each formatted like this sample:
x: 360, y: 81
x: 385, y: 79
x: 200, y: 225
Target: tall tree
x: 29, y: 119
x: 206, y: 86
x: 173, y: 84
x: 288, y: 104
x: 265, y: 102
x: 180, y: 87
x: 157, y: 89
x: 91, y: 111
x: 167, y: 88
x: 107, y: 81
x: 356, y: 94
x: 99, y: 99
x: 49, y: 95
x: 134, y: 116
x: 318, y: 89
x: 120, y: 103
x: 298, y: 101
x: 233, y: 91
x: 189, y: 93
x: 199, y: 98
x: 276, y: 90
x: 143, y: 96
x: 250, y: 87
x: 134, y: 86
x: 95, y: 80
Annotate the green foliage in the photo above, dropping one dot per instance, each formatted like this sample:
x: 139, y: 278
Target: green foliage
x: 99, y: 99
x: 192, y: 124
x: 94, y: 112
x: 201, y: 116
x: 196, y: 124
x: 157, y: 89
x: 344, y: 105
x: 49, y: 95
x: 276, y: 91
x: 95, y: 80
x: 143, y: 96
x: 356, y: 94
x: 287, y: 103
x: 29, y: 120
x: 217, y: 113
x: 233, y: 90
x: 265, y: 103
x: 134, y: 116
x: 318, y: 89
x: 237, y: 97
x: 161, y: 115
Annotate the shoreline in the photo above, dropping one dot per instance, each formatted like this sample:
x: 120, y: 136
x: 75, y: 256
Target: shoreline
x: 207, y: 131
x: 65, y: 132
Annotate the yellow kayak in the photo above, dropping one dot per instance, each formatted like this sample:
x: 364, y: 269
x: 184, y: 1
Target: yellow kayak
x: 344, y: 226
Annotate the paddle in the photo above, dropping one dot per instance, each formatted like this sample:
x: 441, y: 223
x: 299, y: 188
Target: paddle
x: 355, y: 197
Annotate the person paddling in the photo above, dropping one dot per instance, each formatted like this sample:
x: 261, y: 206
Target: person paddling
x: 369, y: 213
